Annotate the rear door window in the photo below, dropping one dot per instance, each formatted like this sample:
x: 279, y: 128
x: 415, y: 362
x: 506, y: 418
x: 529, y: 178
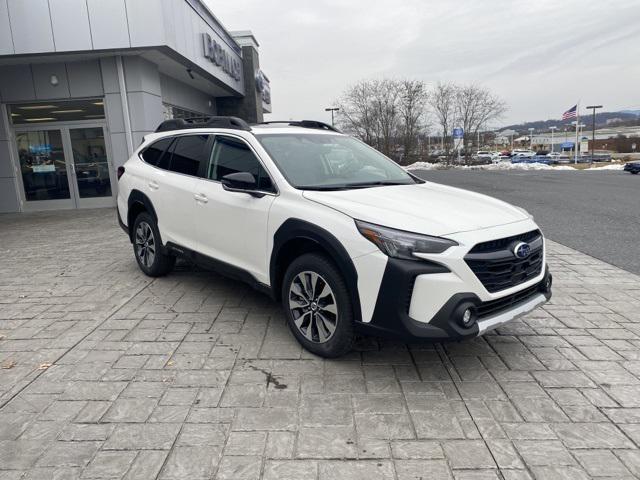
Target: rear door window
x: 188, y: 152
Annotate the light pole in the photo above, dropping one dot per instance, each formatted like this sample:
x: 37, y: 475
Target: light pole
x: 552, y: 130
x: 531, y: 138
x: 593, y: 130
x: 579, y: 127
x: 331, y: 109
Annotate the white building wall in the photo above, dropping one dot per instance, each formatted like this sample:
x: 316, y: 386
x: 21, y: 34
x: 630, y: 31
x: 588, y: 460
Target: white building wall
x: 50, y: 26
x: 70, y: 21
x: 29, y: 82
x: 180, y: 95
x: 30, y: 26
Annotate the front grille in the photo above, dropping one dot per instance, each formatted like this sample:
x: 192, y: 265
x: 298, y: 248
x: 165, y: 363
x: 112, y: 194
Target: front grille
x: 502, y: 243
x: 497, y: 267
x: 493, y: 307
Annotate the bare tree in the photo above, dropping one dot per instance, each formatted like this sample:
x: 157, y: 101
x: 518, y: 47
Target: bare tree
x: 387, y: 114
x: 370, y: 110
x: 412, y: 111
x: 386, y: 95
x: 475, y: 107
x: 443, y: 103
x: 392, y: 115
x: 357, y: 112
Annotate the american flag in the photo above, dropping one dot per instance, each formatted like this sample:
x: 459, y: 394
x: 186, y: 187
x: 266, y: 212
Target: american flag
x: 571, y: 113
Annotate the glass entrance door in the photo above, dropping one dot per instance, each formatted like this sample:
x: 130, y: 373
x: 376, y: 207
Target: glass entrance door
x: 64, y: 167
x: 43, y: 166
x: 91, y: 170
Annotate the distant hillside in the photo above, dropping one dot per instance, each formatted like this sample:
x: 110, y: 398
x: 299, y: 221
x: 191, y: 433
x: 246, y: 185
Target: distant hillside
x: 603, y: 119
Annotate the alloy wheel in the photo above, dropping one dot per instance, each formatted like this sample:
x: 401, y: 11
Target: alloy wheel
x: 313, y: 306
x: 145, y: 244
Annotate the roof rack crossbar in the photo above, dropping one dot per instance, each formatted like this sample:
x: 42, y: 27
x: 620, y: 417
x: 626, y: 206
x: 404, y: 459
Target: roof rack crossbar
x: 304, y: 124
x: 232, y: 123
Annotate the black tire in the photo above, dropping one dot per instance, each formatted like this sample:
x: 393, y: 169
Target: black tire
x: 150, y: 255
x: 320, y: 320
x: 633, y: 173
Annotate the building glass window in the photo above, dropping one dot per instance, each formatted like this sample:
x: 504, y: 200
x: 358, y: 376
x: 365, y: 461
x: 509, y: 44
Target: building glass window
x: 55, y: 111
x: 171, y: 112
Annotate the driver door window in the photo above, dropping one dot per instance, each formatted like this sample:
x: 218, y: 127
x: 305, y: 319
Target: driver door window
x: 230, y: 155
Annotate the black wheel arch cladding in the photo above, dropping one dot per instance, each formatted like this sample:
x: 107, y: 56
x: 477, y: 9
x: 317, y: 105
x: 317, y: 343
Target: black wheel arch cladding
x: 136, y: 197
x: 293, y: 230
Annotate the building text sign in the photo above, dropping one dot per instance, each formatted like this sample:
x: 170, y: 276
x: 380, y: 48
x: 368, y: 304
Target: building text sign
x: 220, y: 57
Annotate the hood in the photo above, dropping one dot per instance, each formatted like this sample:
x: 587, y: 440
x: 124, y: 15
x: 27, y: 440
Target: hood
x: 427, y: 208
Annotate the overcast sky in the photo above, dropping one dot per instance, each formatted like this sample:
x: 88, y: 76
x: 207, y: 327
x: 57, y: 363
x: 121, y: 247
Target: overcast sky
x: 541, y: 56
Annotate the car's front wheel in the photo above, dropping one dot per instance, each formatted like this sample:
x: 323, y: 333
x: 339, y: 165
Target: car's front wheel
x: 148, y: 249
x: 318, y: 306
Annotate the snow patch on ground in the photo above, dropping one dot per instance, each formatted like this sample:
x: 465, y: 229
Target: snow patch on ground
x: 506, y: 166
x: 606, y: 167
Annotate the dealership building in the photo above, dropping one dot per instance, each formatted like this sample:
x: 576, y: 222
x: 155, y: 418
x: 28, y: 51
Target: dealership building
x: 82, y: 82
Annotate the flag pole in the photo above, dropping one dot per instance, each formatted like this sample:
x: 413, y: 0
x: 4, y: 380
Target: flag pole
x: 577, y: 123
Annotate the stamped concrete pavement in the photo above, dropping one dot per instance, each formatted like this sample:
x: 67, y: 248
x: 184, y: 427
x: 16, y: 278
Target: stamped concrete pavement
x: 107, y: 374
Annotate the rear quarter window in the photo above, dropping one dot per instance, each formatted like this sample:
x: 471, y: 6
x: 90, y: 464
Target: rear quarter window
x: 156, y: 153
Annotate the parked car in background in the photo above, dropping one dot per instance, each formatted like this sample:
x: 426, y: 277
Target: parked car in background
x: 521, y: 156
x: 483, y: 155
x: 522, y: 153
x: 632, y: 167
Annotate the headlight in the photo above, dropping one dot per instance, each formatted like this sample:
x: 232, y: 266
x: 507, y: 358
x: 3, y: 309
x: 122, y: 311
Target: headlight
x: 400, y: 244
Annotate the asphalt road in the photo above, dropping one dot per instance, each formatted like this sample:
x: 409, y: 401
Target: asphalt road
x: 597, y: 213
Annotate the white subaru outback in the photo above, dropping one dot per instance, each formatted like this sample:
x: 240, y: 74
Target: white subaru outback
x: 346, y: 239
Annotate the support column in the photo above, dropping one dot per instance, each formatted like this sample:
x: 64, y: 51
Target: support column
x: 249, y: 107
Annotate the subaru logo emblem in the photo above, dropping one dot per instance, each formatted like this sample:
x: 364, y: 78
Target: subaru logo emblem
x: 522, y: 250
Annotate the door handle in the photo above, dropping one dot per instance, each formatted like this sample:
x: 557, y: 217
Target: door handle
x: 153, y: 185
x: 200, y: 198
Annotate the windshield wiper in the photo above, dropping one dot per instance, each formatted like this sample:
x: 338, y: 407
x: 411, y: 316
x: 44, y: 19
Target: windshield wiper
x: 350, y: 186
x: 376, y: 183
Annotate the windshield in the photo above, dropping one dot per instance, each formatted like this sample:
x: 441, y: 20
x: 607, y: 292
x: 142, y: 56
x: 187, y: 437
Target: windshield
x: 331, y: 162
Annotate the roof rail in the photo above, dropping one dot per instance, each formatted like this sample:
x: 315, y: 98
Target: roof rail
x: 304, y: 124
x: 232, y: 123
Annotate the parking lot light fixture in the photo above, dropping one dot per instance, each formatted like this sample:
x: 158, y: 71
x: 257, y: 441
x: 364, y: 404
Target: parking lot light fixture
x: 593, y: 128
x: 531, y: 138
x: 552, y: 130
x: 331, y: 109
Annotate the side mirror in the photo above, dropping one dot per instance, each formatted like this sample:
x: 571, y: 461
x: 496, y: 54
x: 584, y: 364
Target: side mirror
x: 243, y: 182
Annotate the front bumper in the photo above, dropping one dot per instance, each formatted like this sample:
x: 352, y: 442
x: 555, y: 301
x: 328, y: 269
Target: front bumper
x: 391, y: 317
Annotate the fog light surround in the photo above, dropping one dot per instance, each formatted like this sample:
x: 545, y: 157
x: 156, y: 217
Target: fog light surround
x: 465, y: 315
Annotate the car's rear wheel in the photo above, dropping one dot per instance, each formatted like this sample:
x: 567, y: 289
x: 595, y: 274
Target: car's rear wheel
x: 148, y: 249
x: 318, y: 306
